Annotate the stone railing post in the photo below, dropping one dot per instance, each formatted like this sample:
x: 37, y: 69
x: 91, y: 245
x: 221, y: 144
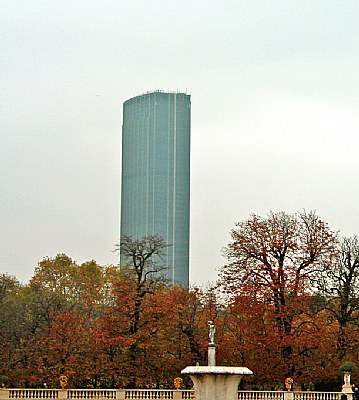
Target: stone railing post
x: 120, y: 394
x: 177, y: 395
x: 4, y: 394
x: 62, y: 394
x: 288, y: 396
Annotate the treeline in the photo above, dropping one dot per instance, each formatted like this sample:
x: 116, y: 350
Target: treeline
x: 286, y: 305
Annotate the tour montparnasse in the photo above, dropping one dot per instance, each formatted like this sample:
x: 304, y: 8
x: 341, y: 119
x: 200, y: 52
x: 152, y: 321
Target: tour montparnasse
x: 155, y: 192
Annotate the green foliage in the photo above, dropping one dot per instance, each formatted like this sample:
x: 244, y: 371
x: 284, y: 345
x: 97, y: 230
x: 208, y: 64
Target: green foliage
x: 347, y: 366
x: 4, y: 380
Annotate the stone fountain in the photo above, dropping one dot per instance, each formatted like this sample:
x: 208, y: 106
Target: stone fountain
x: 213, y: 382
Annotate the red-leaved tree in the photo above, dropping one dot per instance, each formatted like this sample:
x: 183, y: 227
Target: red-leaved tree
x: 272, y: 260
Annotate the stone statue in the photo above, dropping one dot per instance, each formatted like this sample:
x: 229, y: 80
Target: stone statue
x: 212, y: 331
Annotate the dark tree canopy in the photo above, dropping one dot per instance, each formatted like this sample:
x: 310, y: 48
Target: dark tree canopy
x: 339, y: 283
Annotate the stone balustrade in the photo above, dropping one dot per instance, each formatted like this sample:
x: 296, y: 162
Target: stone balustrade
x: 153, y: 394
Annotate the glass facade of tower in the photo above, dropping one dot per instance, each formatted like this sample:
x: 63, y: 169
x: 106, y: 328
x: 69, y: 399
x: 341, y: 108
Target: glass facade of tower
x: 155, y: 194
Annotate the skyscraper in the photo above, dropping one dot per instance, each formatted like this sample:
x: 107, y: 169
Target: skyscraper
x: 155, y: 194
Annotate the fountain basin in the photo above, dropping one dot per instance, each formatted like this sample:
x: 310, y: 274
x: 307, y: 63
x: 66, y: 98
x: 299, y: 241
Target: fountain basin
x: 216, y: 382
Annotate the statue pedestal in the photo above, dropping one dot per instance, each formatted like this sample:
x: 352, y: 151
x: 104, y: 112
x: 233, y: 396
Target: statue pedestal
x: 213, y: 383
x: 347, y: 387
x: 348, y: 391
x: 211, y: 354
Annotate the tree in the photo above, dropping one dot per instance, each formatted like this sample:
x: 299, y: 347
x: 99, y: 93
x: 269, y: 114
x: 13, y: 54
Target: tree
x: 249, y: 340
x: 339, y: 283
x: 60, y: 294
x: 12, y: 330
x: 177, y: 334
x: 146, y: 262
x: 272, y: 259
x: 144, y: 255
x: 66, y: 346
x: 56, y: 275
x: 134, y: 294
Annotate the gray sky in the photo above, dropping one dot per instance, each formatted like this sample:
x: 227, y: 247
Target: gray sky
x: 275, y: 117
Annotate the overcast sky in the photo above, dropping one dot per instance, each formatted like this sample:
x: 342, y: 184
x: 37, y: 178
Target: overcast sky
x: 275, y: 117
